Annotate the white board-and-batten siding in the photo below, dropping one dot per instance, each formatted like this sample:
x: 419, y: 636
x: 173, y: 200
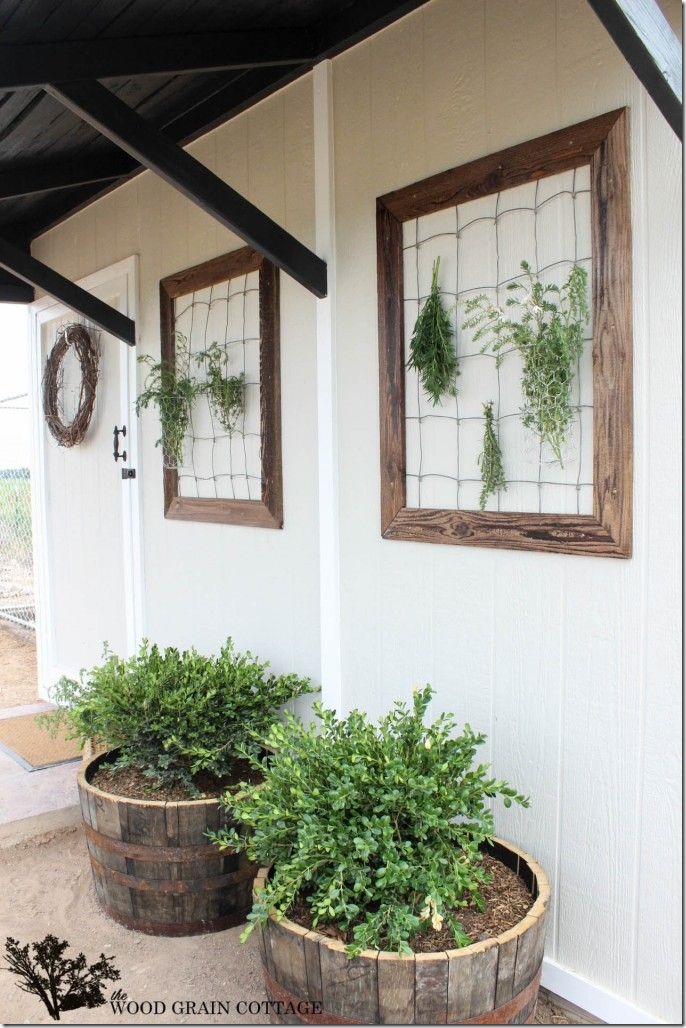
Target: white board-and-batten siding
x: 571, y: 665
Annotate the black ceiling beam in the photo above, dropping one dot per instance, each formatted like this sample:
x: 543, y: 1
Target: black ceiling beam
x: 13, y: 290
x: 114, y: 119
x: 26, y: 179
x: 36, y: 64
x: 227, y: 101
x: 31, y: 271
x: 647, y: 42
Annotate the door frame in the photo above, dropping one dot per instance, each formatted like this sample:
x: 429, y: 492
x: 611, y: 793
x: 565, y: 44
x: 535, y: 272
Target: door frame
x: 123, y: 275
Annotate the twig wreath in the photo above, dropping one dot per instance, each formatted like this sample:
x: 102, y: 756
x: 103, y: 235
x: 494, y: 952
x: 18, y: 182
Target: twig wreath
x: 53, y: 381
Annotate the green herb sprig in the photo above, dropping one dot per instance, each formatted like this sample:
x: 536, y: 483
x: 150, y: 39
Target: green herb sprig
x: 225, y: 393
x: 173, y: 391
x: 549, y: 338
x: 432, y: 348
x: 490, y: 459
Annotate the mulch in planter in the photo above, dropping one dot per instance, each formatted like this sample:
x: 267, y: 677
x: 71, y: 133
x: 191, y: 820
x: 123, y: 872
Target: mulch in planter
x: 506, y: 899
x: 133, y: 784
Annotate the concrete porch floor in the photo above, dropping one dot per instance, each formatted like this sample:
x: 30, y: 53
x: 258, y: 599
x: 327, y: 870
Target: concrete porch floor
x: 28, y: 793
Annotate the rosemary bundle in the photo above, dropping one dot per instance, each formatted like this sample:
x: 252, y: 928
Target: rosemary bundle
x: 549, y: 338
x: 490, y: 460
x: 432, y: 351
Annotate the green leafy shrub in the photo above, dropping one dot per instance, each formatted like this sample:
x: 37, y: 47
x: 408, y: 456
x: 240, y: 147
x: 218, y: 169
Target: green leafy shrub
x: 376, y: 827
x: 549, y: 338
x: 172, y: 714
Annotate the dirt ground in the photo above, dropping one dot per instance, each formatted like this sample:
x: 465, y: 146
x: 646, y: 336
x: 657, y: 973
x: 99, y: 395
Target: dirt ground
x: 48, y: 888
x: 17, y: 666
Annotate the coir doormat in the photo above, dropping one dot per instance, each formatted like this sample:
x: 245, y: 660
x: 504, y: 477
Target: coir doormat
x: 32, y: 746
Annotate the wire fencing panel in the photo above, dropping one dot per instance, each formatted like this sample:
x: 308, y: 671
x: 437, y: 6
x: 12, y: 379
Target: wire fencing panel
x: 481, y: 244
x: 17, y: 602
x: 221, y: 464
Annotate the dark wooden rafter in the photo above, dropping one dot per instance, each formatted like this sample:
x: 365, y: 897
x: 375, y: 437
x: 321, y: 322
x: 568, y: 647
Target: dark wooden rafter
x: 13, y: 290
x: 646, y: 40
x: 36, y: 64
x: 89, y: 178
x: 31, y: 271
x: 110, y: 116
x: 227, y: 101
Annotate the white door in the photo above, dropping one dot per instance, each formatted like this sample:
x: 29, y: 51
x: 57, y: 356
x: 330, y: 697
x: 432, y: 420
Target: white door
x: 86, y: 511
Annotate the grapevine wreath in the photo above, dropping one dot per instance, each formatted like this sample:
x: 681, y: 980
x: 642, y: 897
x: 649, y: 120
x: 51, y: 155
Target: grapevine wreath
x: 86, y: 352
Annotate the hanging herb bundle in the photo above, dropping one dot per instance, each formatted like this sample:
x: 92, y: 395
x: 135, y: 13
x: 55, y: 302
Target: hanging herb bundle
x: 490, y: 460
x: 173, y: 392
x: 432, y: 350
x: 226, y: 393
x: 549, y: 338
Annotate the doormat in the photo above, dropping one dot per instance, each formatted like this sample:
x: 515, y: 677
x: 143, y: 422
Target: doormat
x: 30, y: 744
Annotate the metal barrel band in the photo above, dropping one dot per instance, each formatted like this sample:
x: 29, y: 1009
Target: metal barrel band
x: 523, y: 1001
x: 179, y: 886
x: 172, y: 928
x: 276, y: 991
x: 156, y: 854
x: 505, y: 1013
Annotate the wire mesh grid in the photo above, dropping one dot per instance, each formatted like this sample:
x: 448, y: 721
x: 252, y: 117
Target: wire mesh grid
x: 481, y: 244
x: 17, y: 602
x: 217, y: 463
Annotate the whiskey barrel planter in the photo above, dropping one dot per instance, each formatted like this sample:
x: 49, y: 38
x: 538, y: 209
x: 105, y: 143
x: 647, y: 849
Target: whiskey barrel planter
x: 310, y: 980
x: 153, y: 867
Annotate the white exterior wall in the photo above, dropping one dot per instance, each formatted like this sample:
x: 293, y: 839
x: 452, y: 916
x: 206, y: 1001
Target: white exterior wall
x: 571, y: 665
x: 204, y: 581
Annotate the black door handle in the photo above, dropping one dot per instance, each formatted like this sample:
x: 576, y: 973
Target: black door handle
x: 117, y: 433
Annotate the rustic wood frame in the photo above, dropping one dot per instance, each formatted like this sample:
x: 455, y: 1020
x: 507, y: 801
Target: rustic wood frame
x: 603, y: 143
x: 268, y: 511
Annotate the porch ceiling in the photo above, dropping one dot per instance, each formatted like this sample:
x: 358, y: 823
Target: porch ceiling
x: 92, y: 91
x: 183, y: 65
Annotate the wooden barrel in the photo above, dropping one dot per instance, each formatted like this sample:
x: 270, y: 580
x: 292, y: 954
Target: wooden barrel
x: 155, y: 870
x: 310, y: 980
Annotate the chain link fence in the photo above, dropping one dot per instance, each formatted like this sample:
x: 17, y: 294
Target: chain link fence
x: 16, y: 548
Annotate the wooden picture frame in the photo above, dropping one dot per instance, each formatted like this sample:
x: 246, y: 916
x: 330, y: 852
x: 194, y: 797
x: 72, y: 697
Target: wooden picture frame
x: 601, y: 143
x: 266, y: 512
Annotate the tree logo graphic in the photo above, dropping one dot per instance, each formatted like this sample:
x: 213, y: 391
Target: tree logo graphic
x: 62, y: 983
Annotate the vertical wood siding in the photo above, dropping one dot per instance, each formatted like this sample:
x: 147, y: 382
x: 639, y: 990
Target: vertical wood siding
x: 570, y: 664
x: 204, y: 582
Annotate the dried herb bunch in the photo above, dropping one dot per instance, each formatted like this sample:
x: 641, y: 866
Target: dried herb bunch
x: 549, y: 338
x: 432, y: 349
x: 173, y: 391
x: 490, y: 460
x: 225, y: 393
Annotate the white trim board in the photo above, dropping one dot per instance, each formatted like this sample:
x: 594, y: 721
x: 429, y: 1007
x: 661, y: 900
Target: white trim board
x: 592, y: 998
x: 125, y: 273
x: 329, y: 526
